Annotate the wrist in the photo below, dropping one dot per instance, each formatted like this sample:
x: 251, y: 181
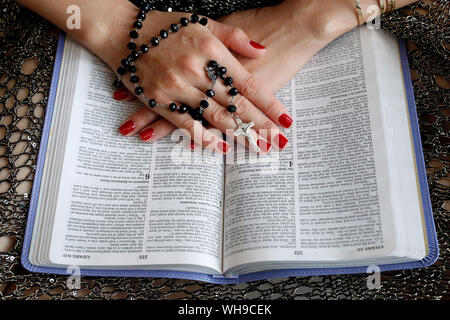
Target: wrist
x: 326, y: 20
x: 107, y: 29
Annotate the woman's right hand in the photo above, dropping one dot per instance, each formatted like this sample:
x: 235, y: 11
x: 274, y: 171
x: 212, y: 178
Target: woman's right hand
x: 175, y: 72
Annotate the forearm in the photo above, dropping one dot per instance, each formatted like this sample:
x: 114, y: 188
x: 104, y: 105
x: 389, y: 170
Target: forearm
x: 327, y: 19
x: 96, y: 18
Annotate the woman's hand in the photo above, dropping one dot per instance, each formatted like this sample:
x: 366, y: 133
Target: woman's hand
x: 293, y: 32
x: 174, y: 71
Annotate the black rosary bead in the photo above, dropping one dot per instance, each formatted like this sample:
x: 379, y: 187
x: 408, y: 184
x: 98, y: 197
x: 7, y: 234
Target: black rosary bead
x: 174, y: 27
x: 184, y: 21
x: 197, y: 114
x: 194, y: 18
x: 210, y: 93
x: 138, y: 90
x: 164, y: 34
x: 204, y: 104
x: 124, y: 62
x: 134, y: 79
x: 233, y: 91
x: 141, y: 15
x: 117, y: 84
x: 173, y: 107
x: 152, y: 103
x: 137, y: 24
x: 222, y: 70
x: 183, y: 109
x: 133, y: 56
x: 205, y: 123
x: 231, y: 108
x: 134, y: 34
x: 203, y: 21
x: 228, y: 81
x: 213, y: 64
x: 121, y: 71
x: 146, y: 7
x: 131, y: 68
x: 131, y: 46
x: 144, y: 48
x: 155, y: 42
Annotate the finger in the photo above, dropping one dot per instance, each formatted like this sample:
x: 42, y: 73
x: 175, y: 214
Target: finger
x: 248, y: 112
x: 236, y: 39
x: 221, y: 119
x: 194, y: 129
x: 265, y: 127
x: 137, y: 121
x: 157, y: 130
x: 123, y: 94
x: 255, y: 91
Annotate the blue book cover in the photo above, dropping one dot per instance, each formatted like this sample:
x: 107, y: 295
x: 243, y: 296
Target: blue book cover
x: 433, y: 250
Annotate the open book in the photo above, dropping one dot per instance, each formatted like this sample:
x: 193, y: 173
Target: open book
x: 349, y: 191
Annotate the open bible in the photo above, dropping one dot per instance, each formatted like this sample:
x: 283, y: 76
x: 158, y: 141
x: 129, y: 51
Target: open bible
x: 349, y: 191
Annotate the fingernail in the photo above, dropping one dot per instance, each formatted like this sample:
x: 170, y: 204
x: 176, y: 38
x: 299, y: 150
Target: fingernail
x: 120, y: 94
x: 223, y: 146
x: 264, y: 145
x: 192, y: 145
x: 281, y: 141
x: 256, y: 45
x: 127, y: 127
x: 147, y: 134
x: 285, y: 120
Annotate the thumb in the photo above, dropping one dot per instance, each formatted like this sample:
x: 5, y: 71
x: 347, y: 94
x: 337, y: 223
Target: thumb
x: 236, y: 39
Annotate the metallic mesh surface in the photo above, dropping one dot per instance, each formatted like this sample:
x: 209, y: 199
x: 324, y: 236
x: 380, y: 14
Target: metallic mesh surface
x: 26, y: 39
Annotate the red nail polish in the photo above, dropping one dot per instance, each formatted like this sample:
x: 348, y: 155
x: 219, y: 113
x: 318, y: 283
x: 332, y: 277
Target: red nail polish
x: 281, y: 141
x: 223, y: 146
x: 256, y: 45
x: 285, y: 120
x: 147, y: 134
x: 127, y: 127
x: 120, y: 94
x: 264, y: 145
x: 192, y: 145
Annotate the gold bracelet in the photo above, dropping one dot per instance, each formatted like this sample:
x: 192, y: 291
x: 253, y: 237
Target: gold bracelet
x: 382, y: 4
x: 390, y: 6
x: 359, y: 13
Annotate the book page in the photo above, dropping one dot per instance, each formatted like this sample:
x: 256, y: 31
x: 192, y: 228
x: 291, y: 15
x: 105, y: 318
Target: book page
x: 329, y: 199
x: 127, y: 202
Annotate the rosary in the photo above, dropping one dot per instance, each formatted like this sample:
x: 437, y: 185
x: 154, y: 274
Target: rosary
x: 213, y: 69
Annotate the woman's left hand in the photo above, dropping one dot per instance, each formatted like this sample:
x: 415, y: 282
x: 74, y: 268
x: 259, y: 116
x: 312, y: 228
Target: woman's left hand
x: 292, y: 32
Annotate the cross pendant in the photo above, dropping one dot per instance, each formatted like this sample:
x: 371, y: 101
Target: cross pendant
x: 244, y: 129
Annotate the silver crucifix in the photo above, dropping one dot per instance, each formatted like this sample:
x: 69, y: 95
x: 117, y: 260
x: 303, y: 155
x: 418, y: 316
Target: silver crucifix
x: 244, y: 129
